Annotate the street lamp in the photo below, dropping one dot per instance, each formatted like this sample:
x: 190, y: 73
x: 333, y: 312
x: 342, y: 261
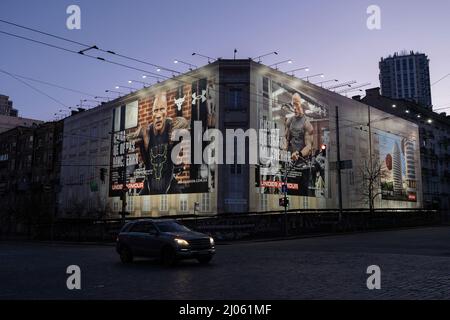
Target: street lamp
x: 190, y: 65
x: 321, y: 83
x: 118, y: 92
x: 281, y: 62
x: 203, y: 56
x: 103, y: 98
x: 313, y: 76
x: 299, y: 69
x: 124, y: 87
x: 265, y: 55
x: 85, y: 106
x: 141, y: 82
x: 90, y: 100
x: 155, y: 77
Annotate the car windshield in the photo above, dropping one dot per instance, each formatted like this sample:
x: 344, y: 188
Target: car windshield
x: 170, y: 226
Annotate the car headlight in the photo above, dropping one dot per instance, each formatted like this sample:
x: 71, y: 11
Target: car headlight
x: 182, y: 242
x: 211, y: 240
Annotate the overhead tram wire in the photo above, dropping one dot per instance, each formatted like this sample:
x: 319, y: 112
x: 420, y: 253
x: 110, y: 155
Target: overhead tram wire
x: 34, y: 88
x: 96, y: 48
x: 100, y: 58
x: 84, y: 55
x: 99, y: 49
x: 103, y: 59
x: 88, y: 46
x: 52, y: 84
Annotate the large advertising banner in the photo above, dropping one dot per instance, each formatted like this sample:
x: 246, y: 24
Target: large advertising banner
x: 142, y: 141
x: 294, y: 130
x: 398, y: 166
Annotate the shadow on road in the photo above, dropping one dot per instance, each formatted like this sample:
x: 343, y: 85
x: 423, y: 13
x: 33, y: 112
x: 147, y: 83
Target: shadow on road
x: 155, y: 264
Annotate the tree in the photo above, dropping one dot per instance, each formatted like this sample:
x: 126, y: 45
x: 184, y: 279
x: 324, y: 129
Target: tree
x: 371, y: 174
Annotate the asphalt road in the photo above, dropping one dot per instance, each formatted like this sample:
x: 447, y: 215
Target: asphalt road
x: 415, y: 264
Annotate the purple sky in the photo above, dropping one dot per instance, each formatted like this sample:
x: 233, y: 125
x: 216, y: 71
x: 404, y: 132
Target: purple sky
x: 330, y: 37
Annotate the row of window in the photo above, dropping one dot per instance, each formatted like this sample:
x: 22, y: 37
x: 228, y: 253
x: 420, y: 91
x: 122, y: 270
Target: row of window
x: 264, y: 202
x: 183, y: 205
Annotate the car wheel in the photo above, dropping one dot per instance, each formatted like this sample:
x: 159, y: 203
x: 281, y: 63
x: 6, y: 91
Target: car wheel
x: 168, y: 257
x: 126, y: 256
x: 204, y: 260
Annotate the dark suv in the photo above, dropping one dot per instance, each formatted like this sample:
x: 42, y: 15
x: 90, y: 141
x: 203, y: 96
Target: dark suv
x: 165, y: 239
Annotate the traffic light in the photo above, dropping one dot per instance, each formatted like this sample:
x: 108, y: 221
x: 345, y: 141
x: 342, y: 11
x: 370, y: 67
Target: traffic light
x: 283, y: 202
x: 323, y: 150
x: 102, y: 174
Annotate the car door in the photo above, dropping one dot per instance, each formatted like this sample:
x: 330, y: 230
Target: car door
x: 136, y: 238
x: 150, y: 240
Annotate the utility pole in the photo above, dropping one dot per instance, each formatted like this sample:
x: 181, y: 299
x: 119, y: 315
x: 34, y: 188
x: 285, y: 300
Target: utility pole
x: 124, y: 179
x: 285, y: 198
x: 338, y: 165
x: 370, y: 161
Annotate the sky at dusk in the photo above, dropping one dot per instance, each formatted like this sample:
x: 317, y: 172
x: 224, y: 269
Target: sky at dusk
x: 329, y: 37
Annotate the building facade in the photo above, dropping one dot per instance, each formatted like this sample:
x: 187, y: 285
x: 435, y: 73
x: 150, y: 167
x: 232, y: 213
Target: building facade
x: 434, y: 139
x: 8, y: 122
x: 29, y: 174
x: 6, y: 107
x: 220, y: 139
x: 406, y: 76
x: 85, y: 152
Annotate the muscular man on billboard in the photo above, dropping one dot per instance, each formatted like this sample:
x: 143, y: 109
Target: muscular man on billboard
x: 155, y: 148
x: 299, y: 138
x: 299, y: 131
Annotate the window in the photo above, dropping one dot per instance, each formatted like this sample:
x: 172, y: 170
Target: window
x: 305, y: 202
x: 204, y: 205
x: 81, y: 178
x: 91, y: 204
x: 184, y: 203
x: 146, y: 204
x: 131, y: 115
x: 93, y: 134
x: 235, y: 168
x: 235, y: 98
x: 163, y: 203
x: 351, y: 178
x: 130, y: 204
x: 115, y: 206
x: 263, y: 202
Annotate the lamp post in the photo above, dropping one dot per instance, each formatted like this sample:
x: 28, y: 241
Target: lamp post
x: 288, y: 168
x: 190, y: 65
x: 90, y: 100
x: 155, y: 77
x: 141, y: 82
x: 204, y: 56
x: 118, y: 92
x: 313, y: 76
x: 129, y: 88
x: 103, y: 98
x: 281, y: 62
x: 265, y: 55
x: 321, y: 83
x: 299, y: 69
